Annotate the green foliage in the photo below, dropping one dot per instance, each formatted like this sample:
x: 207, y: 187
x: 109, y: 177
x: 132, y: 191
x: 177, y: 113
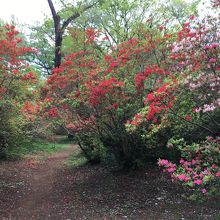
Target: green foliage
x: 129, y: 150
x: 41, y: 38
x: 120, y: 19
x: 120, y: 148
x: 198, y: 171
x: 200, y: 125
x: 11, y: 128
x: 91, y: 146
x: 217, y: 217
x: 34, y: 146
x: 76, y: 159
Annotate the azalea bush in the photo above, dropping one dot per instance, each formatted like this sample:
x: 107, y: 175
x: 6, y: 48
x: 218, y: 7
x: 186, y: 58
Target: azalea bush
x: 16, y: 86
x: 141, y: 93
x: 186, y: 103
x: 92, y: 97
x: 198, y: 171
x: 92, y: 92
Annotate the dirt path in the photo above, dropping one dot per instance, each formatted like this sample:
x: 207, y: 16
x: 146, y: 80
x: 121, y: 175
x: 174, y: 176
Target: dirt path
x: 34, y: 181
x: 41, y: 190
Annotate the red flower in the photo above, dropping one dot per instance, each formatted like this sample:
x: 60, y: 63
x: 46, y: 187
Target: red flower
x: 29, y: 75
x: 188, y: 118
x: 53, y: 111
x: 161, y: 28
x: 191, y: 17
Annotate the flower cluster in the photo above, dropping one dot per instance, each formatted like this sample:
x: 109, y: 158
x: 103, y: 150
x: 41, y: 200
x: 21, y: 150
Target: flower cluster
x: 98, y: 92
x: 198, y: 169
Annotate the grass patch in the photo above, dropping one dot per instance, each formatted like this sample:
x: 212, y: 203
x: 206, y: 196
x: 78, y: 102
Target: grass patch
x: 76, y: 159
x: 63, y: 139
x: 35, y: 147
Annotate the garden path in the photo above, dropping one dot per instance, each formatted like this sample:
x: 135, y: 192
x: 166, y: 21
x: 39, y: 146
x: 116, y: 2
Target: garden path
x: 48, y: 189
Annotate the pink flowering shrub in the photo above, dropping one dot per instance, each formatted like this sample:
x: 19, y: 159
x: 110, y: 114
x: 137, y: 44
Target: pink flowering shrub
x: 198, y: 170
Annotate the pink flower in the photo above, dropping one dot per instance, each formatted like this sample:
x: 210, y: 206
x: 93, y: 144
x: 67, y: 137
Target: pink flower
x: 191, y: 17
x: 161, y: 28
x: 188, y: 118
x: 201, y: 175
x: 209, y: 138
x: 207, y: 171
x: 163, y: 162
x: 207, y: 47
x: 204, y: 191
x: 198, y: 167
x: 198, y: 182
x: 197, y: 110
x: 171, y: 165
x: 217, y: 174
x: 212, y: 60
x: 214, y: 166
x: 182, y: 161
x: 188, y: 169
x: 187, y: 163
x: 208, y: 108
x: 182, y: 177
x: 171, y: 170
x: 214, y: 45
x: 194, y: 162
x: 195, y: 175
x: 186, y: 24
x: 187, y: 179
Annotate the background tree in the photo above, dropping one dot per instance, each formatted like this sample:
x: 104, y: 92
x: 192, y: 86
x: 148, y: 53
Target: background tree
x: 60, y: 26
x: 41, y: 37
x: 118, y: 22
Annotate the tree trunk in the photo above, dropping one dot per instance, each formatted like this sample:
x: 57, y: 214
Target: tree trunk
x: 59, y: 30
x: 58, y: 46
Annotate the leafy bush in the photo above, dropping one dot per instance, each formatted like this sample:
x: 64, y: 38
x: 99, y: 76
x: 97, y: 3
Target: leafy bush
x: 12, y: 132
x: 91, y: 146
x: 16, y: 86
x: 128, y: 150
x: 146, y: 90
x: 198, y: 170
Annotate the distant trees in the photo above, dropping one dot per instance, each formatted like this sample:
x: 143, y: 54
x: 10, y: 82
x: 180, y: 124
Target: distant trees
x: 60, y: 26
x: 117, y: 20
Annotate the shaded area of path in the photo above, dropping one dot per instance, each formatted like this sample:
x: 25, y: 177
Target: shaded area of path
x: 28, y: 185
x: 48, y: 190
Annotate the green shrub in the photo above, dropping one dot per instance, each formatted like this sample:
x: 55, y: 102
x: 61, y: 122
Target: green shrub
x: 12, y: 132
x: 90, y: 146
x: 198, y: 171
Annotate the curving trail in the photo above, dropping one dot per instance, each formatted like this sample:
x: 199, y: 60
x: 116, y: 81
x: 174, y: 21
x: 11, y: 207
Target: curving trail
x: 47, y: 189
x: 28, y: 189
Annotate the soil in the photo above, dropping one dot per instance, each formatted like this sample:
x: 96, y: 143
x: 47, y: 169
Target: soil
x: 48, y: 189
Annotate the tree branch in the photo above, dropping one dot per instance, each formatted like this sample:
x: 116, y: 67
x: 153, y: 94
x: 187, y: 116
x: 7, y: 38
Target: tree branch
x: 53, y: 11
x: 74, y: 16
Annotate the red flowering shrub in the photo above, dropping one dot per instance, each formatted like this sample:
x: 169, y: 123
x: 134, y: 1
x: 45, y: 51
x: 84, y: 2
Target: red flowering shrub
x: 146, y: 88
x: 15, y: 88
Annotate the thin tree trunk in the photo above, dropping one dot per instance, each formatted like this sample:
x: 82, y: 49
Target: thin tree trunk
x: 59, y: 30
x: 58, y: 47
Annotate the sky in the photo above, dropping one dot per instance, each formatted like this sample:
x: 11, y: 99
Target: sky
x: 31, y: 11
x: 24, y: 11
